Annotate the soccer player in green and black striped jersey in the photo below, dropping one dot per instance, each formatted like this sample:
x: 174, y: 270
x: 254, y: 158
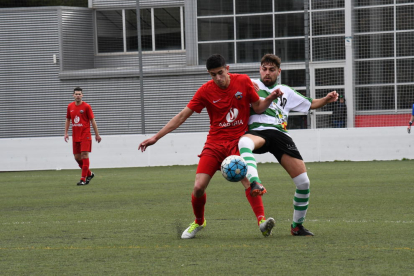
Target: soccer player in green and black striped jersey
x: 268, y: 133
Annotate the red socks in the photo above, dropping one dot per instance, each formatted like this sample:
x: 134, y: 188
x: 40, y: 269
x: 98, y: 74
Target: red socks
x: 198, y: 207
x: 85, y: 168
x: 80, y: 163
x: 199, y: 202
x: 257, y: 205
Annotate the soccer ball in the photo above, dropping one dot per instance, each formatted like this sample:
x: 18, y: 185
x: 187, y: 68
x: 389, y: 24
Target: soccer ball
x: 234, y: 168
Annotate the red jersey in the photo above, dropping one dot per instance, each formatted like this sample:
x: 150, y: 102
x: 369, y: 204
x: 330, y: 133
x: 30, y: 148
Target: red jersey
x: 80, y: 116
x: 228, y: 109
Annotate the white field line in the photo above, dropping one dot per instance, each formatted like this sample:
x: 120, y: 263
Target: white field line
x: 142, y: 220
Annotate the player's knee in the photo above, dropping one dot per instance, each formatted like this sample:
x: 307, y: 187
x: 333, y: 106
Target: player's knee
x: 198, y: 191
x: 302, y: 181
x: 246, y: 142
x: 199, y: 188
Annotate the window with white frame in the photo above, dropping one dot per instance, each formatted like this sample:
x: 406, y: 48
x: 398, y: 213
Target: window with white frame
x: 243, y: 31
x: 162, y: 29
x: 384, y: 57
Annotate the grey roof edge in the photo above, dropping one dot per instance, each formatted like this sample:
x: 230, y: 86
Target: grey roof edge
x: 126, y: 72
x: 44, y: 8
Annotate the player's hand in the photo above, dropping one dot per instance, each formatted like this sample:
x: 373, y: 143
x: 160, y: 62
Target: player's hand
x: 276, y: 94
x: 332, y: 97
x: 66, y: 138
x: 409, y: 130
x: 98, y: 138
x: 146, y: 143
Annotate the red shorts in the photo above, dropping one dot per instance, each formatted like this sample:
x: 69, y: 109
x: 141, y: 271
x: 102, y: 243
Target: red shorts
x: 84, y: 145
x: 213, y: 154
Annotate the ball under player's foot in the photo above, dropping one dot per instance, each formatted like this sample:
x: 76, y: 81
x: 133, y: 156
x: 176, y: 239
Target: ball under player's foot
x: 299, y: 230
x: 257, y: 189
x: 192, y: 230
x: 266, y: 226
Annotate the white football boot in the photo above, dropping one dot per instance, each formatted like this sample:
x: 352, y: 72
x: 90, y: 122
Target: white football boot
x: 266, y: 226
x: 192, y: 230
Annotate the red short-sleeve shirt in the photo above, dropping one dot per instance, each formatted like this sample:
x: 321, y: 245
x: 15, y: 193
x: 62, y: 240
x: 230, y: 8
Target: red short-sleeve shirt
x: 228, y: 109
x: 80, y: 116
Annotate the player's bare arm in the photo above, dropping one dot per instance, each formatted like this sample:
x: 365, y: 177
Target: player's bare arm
x: 67, y: 123
x: 329, y: 98
x: 95, y: 128
x: 410, y: 123
x: 173, y: 124
x: 261, y: 105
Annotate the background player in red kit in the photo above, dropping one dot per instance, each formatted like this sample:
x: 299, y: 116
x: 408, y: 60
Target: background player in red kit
x: 81, y: 115
x: 227, y: 98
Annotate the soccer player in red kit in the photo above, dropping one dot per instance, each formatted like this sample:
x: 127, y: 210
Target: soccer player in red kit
x: 227, y: 98
x: 81, y: 115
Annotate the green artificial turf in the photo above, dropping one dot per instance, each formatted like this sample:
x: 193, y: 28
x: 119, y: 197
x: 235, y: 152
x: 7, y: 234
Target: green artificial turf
x: 129, y: 221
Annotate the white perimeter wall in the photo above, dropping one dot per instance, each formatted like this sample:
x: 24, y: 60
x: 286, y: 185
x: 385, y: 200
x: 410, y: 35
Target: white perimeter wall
x: 318, y: 145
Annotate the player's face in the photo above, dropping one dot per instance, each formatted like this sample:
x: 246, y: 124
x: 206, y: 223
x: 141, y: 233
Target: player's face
x: 220, y: 76
x: 269, y: 74
x: 78, y: 96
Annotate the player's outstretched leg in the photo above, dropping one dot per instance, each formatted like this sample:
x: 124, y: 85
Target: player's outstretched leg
x: 257, y: 189
x: 266, y: 226
x: 246, y: 146
x: 192, y: 230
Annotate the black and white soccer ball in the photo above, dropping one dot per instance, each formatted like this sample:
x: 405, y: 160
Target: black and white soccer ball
x: 234, y: 168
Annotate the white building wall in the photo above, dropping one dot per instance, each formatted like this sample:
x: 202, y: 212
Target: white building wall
x: 318, y: 145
